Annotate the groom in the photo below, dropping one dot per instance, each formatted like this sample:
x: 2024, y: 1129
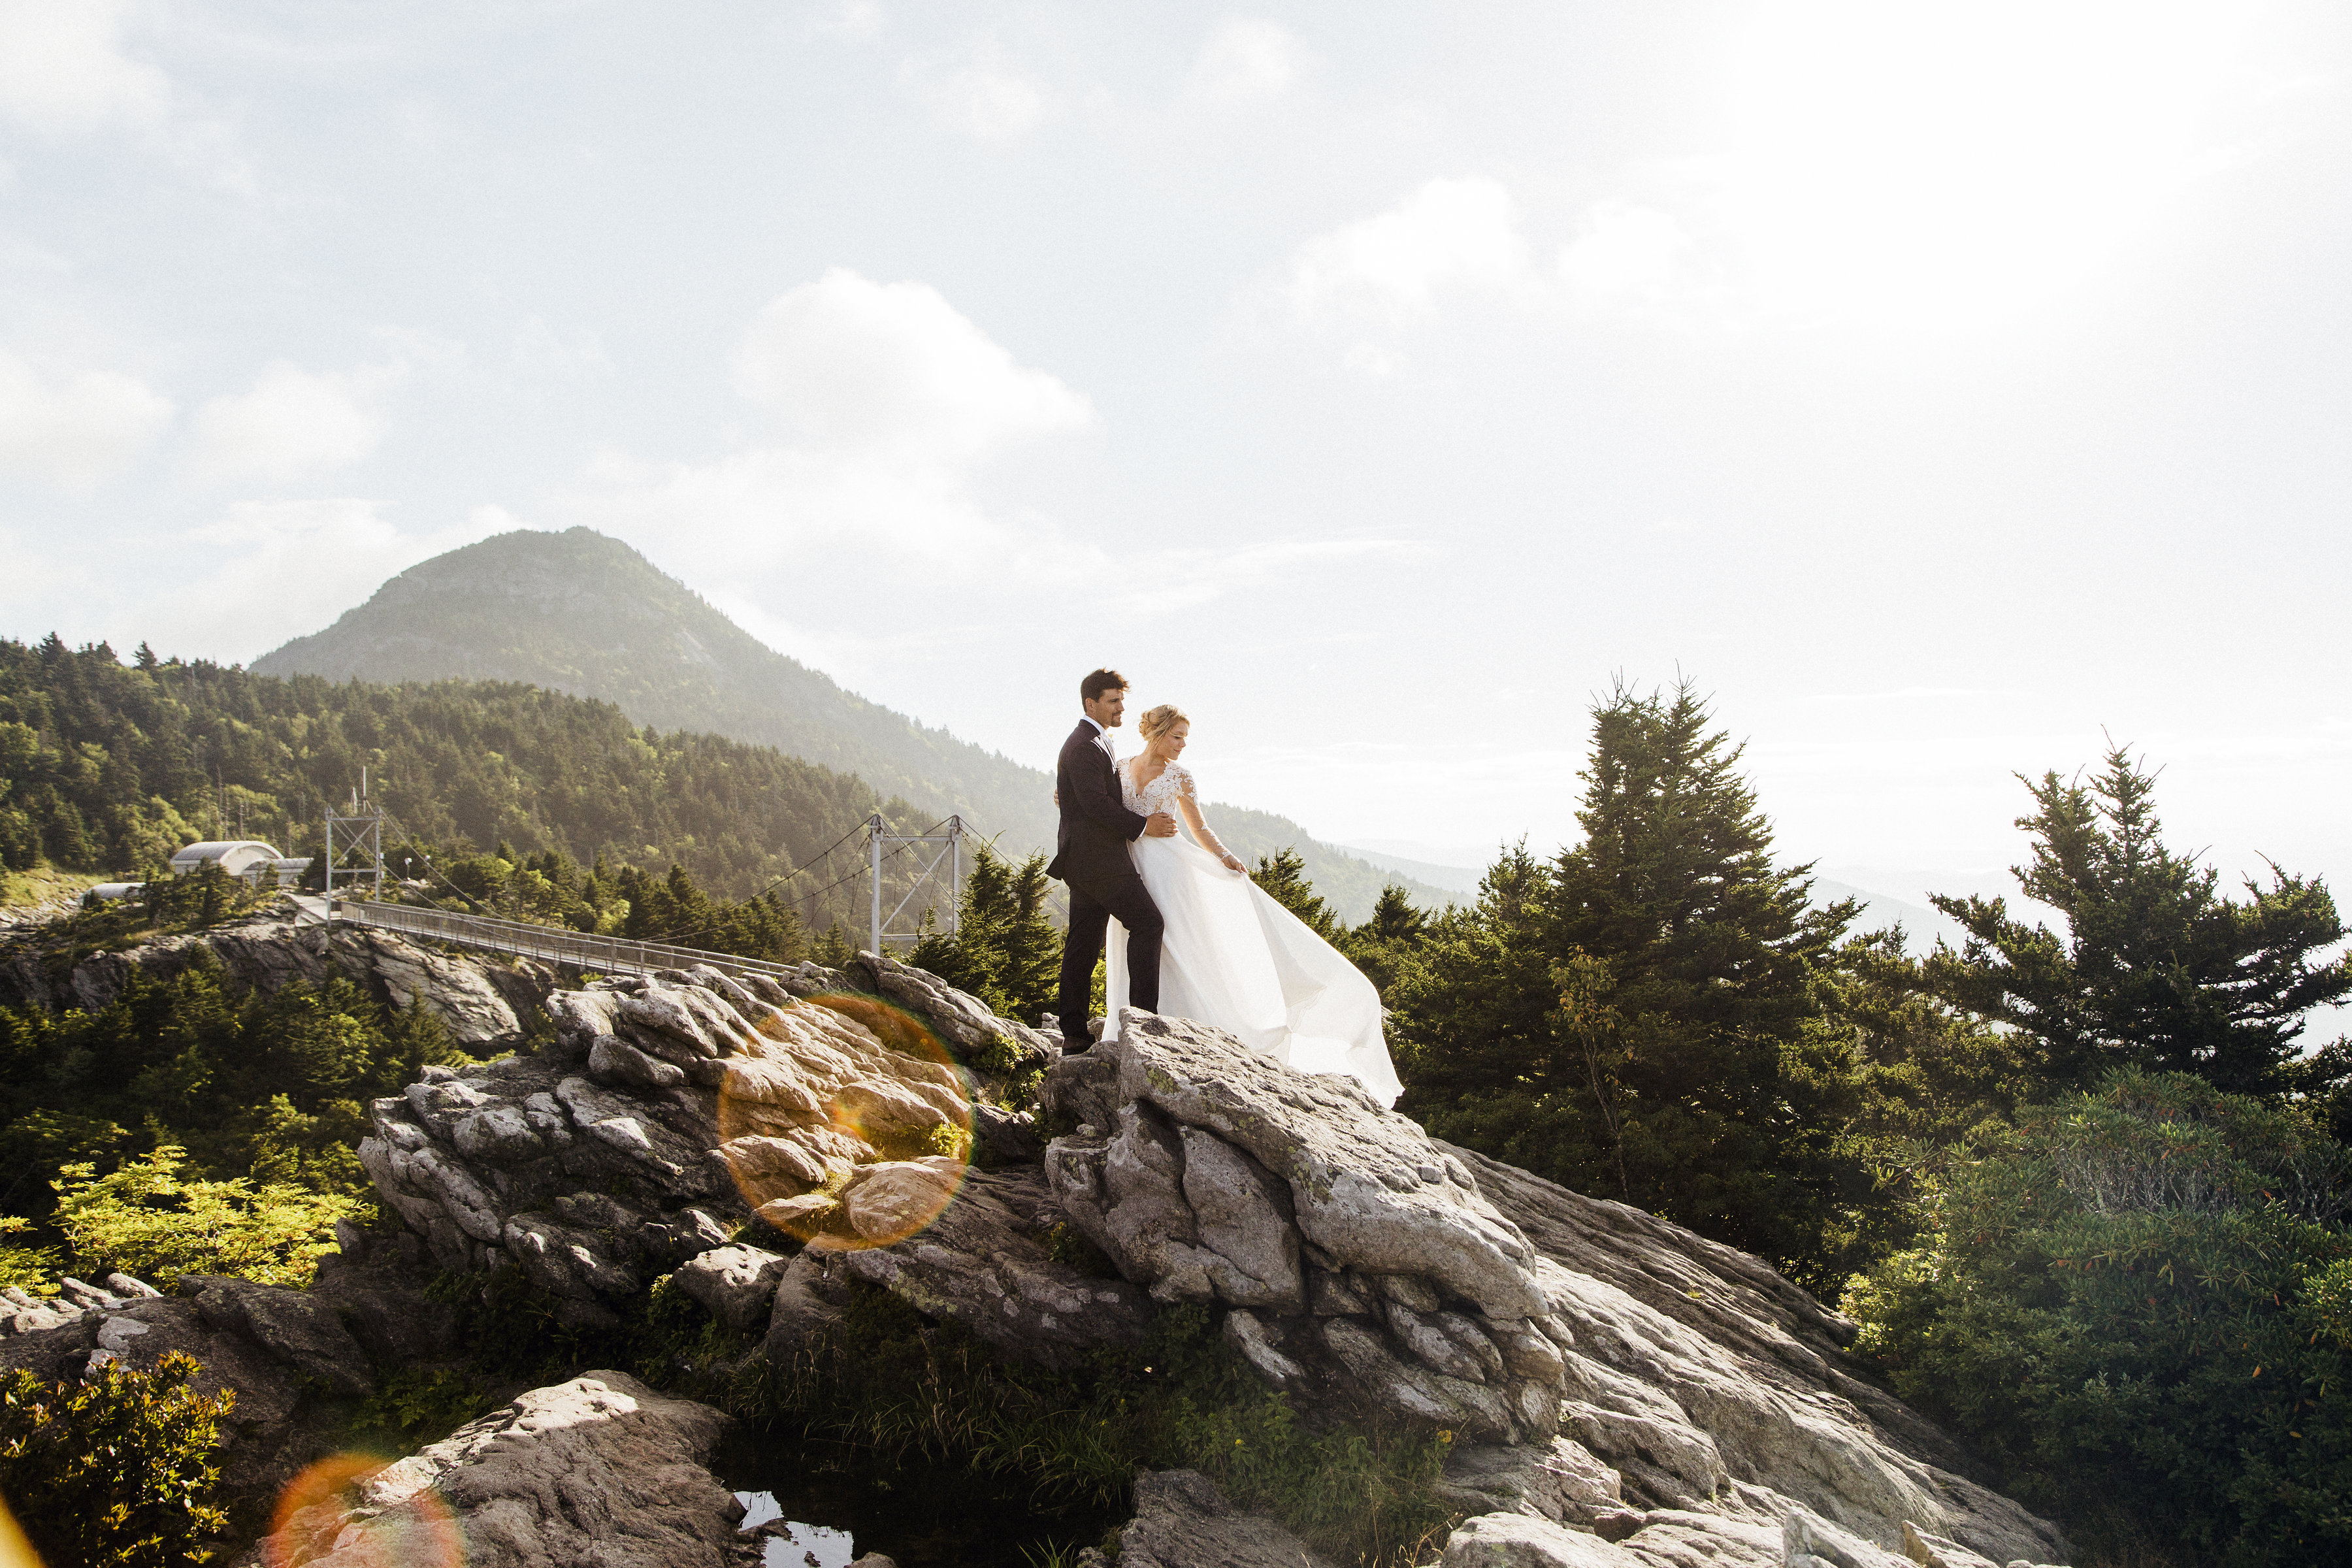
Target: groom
x: 1090, y: 855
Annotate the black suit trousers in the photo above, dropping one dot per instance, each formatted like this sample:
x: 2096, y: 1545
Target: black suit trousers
x: 1093, y: 901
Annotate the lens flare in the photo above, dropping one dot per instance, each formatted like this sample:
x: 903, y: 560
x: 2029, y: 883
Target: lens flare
x: 15, y: 1551
x: 403, y: 1524
x: 848, y: 1124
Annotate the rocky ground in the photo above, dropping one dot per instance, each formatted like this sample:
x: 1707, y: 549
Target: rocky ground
x: 481, y: 1001
x: 1621, y: 1391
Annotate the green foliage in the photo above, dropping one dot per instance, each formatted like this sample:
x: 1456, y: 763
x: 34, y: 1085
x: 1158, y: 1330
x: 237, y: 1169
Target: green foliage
x: 2156, y: 970
x: 1922, y: 1079
x: 26, y: 1266
x: 267, y: 1088
x: 891, y: 1382
x: 105, y: 767
x: 1005, y: 950
x: 1282, y: 876
x: 1392, y: 937
x: 149, y: 1220
x: 1646, y: 1016
x: 115, y: 1471
x: 168, y: 906
x: 2138, y: 1296
x: 419, y: 1405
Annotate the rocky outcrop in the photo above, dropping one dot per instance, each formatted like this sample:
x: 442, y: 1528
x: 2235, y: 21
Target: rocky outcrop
x: 289, y: 1356
x: 479, y: 1001
x: 1619, y: 1371
x: 1675, y: 1539
x: 1183, y: 1520
x: 672, y: 1111
x: 1611, y: 1381
x: 597, y: 1471
x: 985, y: 1261
x: 1357, y: 1263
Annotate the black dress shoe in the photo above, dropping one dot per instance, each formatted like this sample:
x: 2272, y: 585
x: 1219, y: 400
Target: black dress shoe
x: 1071, y: 1048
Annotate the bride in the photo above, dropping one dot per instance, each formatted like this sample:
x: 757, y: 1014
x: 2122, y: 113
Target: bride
x: 1232, y: 955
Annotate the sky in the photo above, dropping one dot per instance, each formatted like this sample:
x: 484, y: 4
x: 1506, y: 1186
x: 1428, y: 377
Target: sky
x: 1945, y: 391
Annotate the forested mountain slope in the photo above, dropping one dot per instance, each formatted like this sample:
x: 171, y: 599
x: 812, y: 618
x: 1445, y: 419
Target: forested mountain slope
x: 580, y: 613
x: 109, y: 767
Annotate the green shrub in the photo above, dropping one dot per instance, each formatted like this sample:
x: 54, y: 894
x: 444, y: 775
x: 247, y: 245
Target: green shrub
x: 115, y: 1471
x: 420, y: 1405
x: 25, y: 1266
x: 2140, y: 1297
x: 149, y: 1220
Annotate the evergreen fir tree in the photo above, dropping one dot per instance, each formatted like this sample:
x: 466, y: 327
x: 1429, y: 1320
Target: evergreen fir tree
x: 2156, y: 970
x: 1644, y: 1016
x: 1283, y: 876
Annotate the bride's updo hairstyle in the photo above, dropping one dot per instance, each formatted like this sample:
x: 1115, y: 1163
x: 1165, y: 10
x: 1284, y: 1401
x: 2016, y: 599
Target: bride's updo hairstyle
x: 1157, y: 721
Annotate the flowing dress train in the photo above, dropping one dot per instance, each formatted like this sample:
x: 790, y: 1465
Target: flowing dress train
x: 1234, y: 957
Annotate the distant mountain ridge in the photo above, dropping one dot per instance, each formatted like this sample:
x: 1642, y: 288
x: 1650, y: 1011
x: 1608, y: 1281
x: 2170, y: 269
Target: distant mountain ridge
x: 581, y: 612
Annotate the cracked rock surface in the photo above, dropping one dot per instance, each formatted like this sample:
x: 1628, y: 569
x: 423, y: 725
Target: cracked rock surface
x: 592, y: 1473
x: 1183, y: 1520
x: 479, y: 1001
x: 1602, y: 1368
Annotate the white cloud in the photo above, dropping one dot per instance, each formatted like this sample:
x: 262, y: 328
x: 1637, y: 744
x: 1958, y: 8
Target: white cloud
x: 62, y: 69
x: 888, y: 405
x: 893, y: 371
x: 989, y: 99
x: 1245, y: 60
x: 1449, y: 235
x: 1627, y: 257
x: 78, y: 429
x: 294, y: 422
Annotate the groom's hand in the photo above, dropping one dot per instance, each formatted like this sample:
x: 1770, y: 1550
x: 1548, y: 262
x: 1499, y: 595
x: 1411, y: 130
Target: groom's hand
x: 1159, y: 824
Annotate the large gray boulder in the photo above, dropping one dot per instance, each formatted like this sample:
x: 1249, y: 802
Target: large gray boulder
x: 673, y: 1110
x: 986, y: 1261
x: 1698, y: 1373
x: 592, y: 1473
x: 1183, y: 1520
x: 1618, y: 1373
x: 1357, y: 1263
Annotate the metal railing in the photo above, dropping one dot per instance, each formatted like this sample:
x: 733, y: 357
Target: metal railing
x: 555, y: 944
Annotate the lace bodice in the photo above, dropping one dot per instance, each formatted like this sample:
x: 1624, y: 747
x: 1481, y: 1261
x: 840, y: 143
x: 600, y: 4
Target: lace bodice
x: 1160, y: 794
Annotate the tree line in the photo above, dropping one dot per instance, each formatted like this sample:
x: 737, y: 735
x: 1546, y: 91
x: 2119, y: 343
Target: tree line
x: 107, y: 767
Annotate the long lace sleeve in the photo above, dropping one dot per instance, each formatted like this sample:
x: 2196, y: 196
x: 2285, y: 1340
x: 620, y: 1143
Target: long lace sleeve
x: 1188, y: 793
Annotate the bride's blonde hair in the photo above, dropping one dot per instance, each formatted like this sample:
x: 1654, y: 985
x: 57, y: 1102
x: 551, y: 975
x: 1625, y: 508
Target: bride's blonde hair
x: 1156, y: 721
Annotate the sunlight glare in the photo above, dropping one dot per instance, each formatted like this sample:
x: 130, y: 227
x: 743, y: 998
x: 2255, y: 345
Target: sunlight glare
x: 1941, y: 167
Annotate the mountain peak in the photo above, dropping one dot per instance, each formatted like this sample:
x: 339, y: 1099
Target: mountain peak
x: 582, y: 612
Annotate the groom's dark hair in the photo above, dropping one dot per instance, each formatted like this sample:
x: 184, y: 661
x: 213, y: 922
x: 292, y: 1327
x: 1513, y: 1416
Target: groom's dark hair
x: 1101, y: 680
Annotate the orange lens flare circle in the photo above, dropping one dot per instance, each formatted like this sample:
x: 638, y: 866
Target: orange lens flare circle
x: 312, y: 1517
x: 849, y: 1126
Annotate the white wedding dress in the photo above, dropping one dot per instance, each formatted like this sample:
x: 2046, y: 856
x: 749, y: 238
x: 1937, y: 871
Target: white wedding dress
x: 1235, y: 958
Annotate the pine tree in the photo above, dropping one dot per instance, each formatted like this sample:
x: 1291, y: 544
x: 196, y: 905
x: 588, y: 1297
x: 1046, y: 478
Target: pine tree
x: 1644, y: 1016
x: 2155, y: 970
x: 1384, y: 944
x: 1283, y: 876
x: 1005, y: 950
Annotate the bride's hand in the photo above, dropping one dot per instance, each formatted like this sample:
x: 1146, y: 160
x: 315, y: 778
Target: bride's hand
x: 1234, y: 863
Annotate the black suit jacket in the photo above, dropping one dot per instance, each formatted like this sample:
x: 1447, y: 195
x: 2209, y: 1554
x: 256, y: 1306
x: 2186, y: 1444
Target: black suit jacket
x: 1091, y: 844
